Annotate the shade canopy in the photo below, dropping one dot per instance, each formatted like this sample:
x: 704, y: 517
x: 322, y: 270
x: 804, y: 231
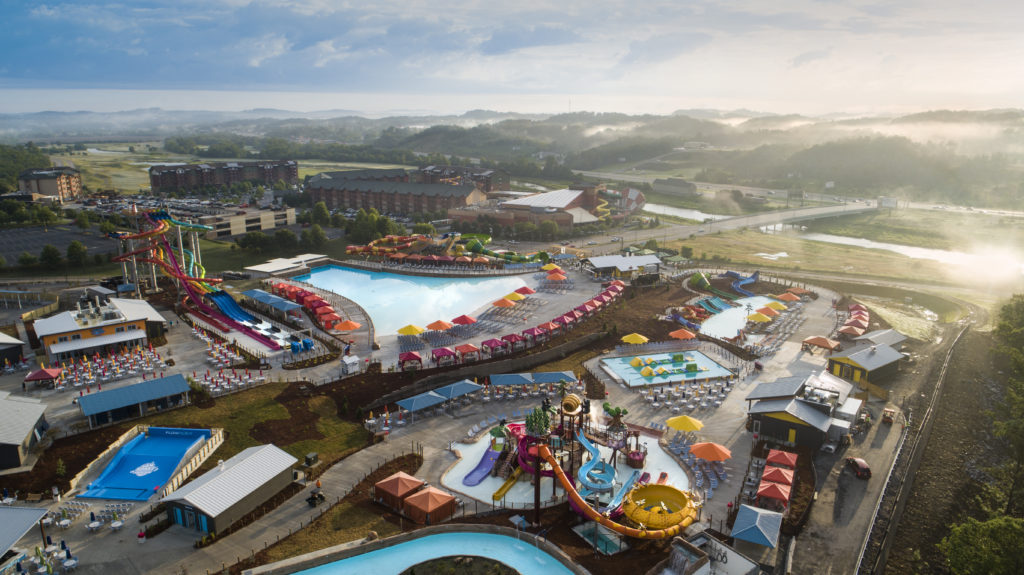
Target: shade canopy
x: 504, y: 303
x: 534, y: 331
x: 758, y: 318
x: 776, y: 305
x: 619, y: 283
x: 464, y: 320
x: 583, y: 309
x: 550, y: 267
x: 409, y: 356
x: 512, y: 337
x: 635, y: 338
x: 799, y: 290
x: 772, y: 490
x: 787, y: 297
x: 348, y: 325
x: 857, y: 323
x: 549, y: 326
x: 685, y: 423
x: 852, y: 330
x: 393, y: 489
x: 481, y: 260
x: 464, y: 259
x: 442, y: 352
x: 615, y: 289
x: 758, y: 526
x: 682, y: 333
x: 316, y: 304
x: 822, y: 342
x: 515, y: 296
x: 493, y: 343
x: 778, y: 475
x: 779, y: 457
x: 45, y: 374
x: 526, y: 290
x: 324, y: 309
x: 421, y: 401
x: 466, y: 348
x: 440, y: 325
x: 430, y: 505
x: 329, y: 317
x: 556, y: 277
x: 857, y: 306
x: 710, y: 451
x: 457, y: 389
x: 411, y: 330
x: 768, y: 311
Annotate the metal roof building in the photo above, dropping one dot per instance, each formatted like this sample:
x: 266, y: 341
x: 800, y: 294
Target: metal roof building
x: 21, y: 425
x: 134, y: 400
x: 15, y: 523
x: 223, y: 495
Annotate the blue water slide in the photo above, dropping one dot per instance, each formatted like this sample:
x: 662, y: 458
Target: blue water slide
x: 741, y: 281
x: 595, y: 475
x: 621, y: 493
x: 707, y: 305
x: 229, y: 307
x: 721, y: 303
x: 685, y: 322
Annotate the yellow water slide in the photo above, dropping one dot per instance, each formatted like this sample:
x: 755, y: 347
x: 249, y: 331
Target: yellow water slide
x: 512, y: 478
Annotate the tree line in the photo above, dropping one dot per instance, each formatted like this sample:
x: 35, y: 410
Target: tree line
x: 16, y: 159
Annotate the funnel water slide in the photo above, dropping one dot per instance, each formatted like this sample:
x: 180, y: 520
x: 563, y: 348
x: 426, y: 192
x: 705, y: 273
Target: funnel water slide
x: 595, y: 475
x: 595, y: 515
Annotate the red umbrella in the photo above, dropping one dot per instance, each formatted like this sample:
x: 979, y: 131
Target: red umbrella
x: 464, y: 320
x: 525, y: 290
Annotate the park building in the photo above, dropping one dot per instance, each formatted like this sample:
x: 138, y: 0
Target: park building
x: 245, y: 221
x: 22, y: 425
x: 567, y: 208
x: 92, y: 328
x: 390, y: 197
x: 486, y: 180
x: 60, y: 183
x: 171, y: 178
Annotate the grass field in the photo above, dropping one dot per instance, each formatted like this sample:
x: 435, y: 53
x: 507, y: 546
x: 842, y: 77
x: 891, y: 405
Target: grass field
x: 938, y: 229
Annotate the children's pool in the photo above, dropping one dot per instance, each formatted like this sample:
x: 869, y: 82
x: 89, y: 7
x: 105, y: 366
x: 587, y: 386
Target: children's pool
x: 665, y: 368
x: 396, y: 300
x: 729, y: 322
x: 517, y: 554
x: 142, y: 466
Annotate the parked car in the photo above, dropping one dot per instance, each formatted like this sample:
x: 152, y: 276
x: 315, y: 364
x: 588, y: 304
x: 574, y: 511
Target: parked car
x: 859, y: 467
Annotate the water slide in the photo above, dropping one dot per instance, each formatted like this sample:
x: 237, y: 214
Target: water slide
x: 602, y: 209
x: 616, y: 501
x: 707, y: 305
x: 724, y: 305
x: 742, y: 281
x: 512, y: 478
x: 482, y: 469
x: 686, y: 323
x: 595, y: 515
x: 390, y: 245
x: 525, y: 457
x: 476, y: 247
x: 229, y: 307
x: 595, y: 475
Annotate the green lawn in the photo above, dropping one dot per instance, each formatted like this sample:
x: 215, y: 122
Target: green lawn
x: 938, y: 229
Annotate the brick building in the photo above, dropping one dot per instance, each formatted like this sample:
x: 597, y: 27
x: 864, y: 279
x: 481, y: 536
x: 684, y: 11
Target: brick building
x: 485, y: 180
x: 389, y: 192
x: 62, y: 183
x: 164, y: 179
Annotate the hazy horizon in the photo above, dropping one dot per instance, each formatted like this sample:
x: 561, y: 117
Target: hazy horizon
x: 438, y: 57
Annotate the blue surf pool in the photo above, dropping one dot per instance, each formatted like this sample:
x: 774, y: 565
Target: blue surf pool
x: 517, y: 554
x: 396, y: 300
x: 145, y: 463
x: 665, y: 368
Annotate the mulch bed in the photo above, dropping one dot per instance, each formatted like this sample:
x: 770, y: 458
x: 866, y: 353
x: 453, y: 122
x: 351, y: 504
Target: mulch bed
x: 300, y: 424
x: 75, y: 451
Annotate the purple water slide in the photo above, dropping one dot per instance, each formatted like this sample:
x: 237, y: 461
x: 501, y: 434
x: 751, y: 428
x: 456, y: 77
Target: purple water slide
x: 526, y: 461
x: 482, y: 469
x: 210, y: 310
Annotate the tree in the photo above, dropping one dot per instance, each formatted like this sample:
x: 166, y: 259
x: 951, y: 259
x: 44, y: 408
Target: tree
x: 993, y: 547
x: 44, y: 215
x: 77, y: 254
x: 320, y: 214
x: 338, y: 221
x: 82, y: 220
x: 425, y: 229
x: 286, y: 240
x: 526, y: 230
x: 317, y: 236
x: 652, y: 244
x: 548, y: 230
x: 107, y: 227
x: 280, y: 185
x: 50, y: 256
x: 27, y: 260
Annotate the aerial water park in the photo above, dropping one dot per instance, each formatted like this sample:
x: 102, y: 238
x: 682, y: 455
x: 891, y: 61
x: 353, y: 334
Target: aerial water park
x: 446, y: 249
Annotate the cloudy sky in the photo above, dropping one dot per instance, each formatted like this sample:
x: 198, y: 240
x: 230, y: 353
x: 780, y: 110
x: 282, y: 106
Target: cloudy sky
x: 634, y: 56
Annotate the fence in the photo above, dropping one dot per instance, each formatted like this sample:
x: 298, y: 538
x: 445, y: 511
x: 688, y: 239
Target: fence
x: 207, y: 449
x: 40, y: 312
x: 875, y: 547
x: 103, y: 458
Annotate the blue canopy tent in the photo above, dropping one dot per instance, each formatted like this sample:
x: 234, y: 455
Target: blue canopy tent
x: 421, y: 401
x: 554, y: 377
x: 511, y: 379
x: 279, y: 303
x: 457, y: 389
x: 757, y: 525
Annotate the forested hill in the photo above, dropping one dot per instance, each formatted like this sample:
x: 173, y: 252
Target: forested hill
x: 14, y: 160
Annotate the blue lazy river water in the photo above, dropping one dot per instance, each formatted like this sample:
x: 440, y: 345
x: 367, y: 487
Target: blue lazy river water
x: 396, y: 300
x: 517, y: 554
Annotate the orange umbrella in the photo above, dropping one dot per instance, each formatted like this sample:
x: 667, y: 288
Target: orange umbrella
x: 439, y: 325
x: 768, y: 311
x: 787, y: 297
x: 556, y: 277
x: 504, y: 303
x: 682, y: 333
x: 710, y: 451
x: 348, y: 325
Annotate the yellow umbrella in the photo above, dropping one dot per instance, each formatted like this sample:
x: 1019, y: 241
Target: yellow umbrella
x: 550, y: 266
x: 411, y: 330
x: 777, y: 305
x: 634, y: 338
x: 759, y: 318
x: 685, y: 423
x: 515, y: 296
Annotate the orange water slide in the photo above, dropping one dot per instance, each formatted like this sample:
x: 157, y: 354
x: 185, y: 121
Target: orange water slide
x: 595, y: 515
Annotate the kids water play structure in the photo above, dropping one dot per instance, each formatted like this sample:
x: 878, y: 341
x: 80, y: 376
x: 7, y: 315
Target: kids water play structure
x: 189, y: 274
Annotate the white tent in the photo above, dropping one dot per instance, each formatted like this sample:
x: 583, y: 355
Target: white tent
x: 350, y: 364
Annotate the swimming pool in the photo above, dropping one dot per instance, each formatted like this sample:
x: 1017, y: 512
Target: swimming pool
x: 517, y: 554
x: 677, y: 366
x: 728, y: 322
x: 396, y: 300
x: 145, y: 463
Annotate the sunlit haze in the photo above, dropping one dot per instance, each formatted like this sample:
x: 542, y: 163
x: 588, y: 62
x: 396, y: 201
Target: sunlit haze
x: 448, y: 57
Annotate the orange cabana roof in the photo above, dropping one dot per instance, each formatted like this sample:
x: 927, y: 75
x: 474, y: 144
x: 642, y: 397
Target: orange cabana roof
x: 778, y: 475
x: 822, y: 342
x: 348, y: 325
x: 430, y: 505
x: 439, y: 325
x: 466, y: 348
x: 392, y: 490
x: 682, y: 333
x: 324, y: 309
x: 772, y: 490
x: 799, y: 291
x: 481, y: 260
x: 556, y: 277
x: 779, y: 457
x: 788, y: 296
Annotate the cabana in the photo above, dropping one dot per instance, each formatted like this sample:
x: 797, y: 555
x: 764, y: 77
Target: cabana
x: 392, y: 490
x: 44, y: 377
x: 776, y: 491
x: 768, y: 311
x: 443, y: 356
x: 313, y: 301
x: 280, y: 288
x: 307, y: 298
x: 409, y: 360
x: 420, y: 402
x: 429, y: 506
x: 851, y: 330
x: 614, y: 288
x: 565, y: 321
x: 440, y: 325
x: 323, y: 309
x: 784, y: 458
x: 535, y: 335
x: 458, y: 389
x: 494, y: 347
x: 481, y: 260
x: 468, y: 352
x: 526, y: 290
x: 584, y: 309
x: 398, y: 256
x: 317, y: 304
x: 576, y: 314
x: 777, y: 305
x: 758, y: 526
x: 328, y: 320
x: 274, y: 304
x: 822, y: 342
x: 758, y: 318
x: 413, y: 258
x: 857, y: 323
x: 857, y: 307
x: 778, y: 475
x: 682, y: 333
x: 515, y: 340
x: 447, y: 260
x: 506, y: 379
x: 464, y: 260
x: 550, y: 326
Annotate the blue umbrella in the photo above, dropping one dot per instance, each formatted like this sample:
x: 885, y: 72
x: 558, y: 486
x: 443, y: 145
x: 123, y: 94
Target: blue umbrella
x: 49, y: 541
x: 92, y: 516
x: 5, y: 493
x: 63, y: 545
x: 67, y: 552
x: 17, y: 567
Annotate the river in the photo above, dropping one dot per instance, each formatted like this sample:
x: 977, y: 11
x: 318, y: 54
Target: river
x: 685, y: 213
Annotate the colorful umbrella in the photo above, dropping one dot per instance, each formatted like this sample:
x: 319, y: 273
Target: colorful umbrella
x: 348, y: 325
x: 682, y: 333
x: 464, y: 320
x: 504, y: 303
x: 710, y: 451
x: 440, y: 325
x: 634, y: 338
x: 514, y: 296
x: 411, y: 330
x: 526, y: 290
x: 685, y: 423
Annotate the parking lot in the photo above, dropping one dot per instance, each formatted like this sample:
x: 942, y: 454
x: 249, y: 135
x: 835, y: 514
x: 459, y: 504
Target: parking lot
x: 15, y: 241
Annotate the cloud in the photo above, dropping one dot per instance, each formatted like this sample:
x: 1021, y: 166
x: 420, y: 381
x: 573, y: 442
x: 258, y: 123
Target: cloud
x: 810, y: 56
x: 265, y: 48
x: 510, y: 39
x: 663, y: 47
